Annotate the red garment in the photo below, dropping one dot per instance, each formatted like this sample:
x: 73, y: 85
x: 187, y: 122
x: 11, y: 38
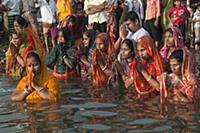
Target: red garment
x: 178, y: 15
x: 99, y: 77
x: 33, y: 42
x: 155, y: 68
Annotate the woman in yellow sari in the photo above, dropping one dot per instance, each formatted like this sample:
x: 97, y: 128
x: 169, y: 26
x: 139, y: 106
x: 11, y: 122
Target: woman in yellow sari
x: 38, y: 85
x: 14, y: 60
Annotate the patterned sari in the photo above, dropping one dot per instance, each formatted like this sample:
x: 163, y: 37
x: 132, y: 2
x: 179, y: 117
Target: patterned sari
x: 154, y: 68
x: 44, y: 79
x: 179, y: 44
x: 187, y: 84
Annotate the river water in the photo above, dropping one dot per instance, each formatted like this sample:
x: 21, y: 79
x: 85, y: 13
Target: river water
x: 85, y: 109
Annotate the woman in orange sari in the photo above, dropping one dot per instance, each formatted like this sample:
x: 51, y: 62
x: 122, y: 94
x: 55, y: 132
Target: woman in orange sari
x: 38, y: 85
x: 146, y: 67
x: 181, y: 84
x: 102, y: 60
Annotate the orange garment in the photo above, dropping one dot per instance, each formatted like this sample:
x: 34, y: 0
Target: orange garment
x: 187, y: 85
x: 44, y: 79
x: 155, y: 68
x: 64, y: 9
x: 100, y: 78
x: 66, y: 75
x: 153, y: 9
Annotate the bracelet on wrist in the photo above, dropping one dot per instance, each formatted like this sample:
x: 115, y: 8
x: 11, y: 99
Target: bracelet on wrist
x: 26, y: 91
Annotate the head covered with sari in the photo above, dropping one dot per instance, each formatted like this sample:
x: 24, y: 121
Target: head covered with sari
x: 178, y: 41
x: 99, y: 76
x: 154, y: 67
x: 44, y: 79
x: 29, y: 36
x: 188, y: 81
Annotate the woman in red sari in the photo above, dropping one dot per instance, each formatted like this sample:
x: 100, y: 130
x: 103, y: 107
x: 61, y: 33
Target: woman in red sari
x: 30, y: 37
x: 181, y: 84
x: 146, y: 67
x: 102, y: 60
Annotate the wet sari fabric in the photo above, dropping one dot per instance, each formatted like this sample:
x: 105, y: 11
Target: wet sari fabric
x: 154, y: 68
x: 187, y: 84
x: 46, y: 80
x: 99, y: 77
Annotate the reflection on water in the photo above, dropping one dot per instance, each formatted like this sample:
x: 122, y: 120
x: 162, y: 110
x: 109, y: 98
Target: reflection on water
x: 85, y: 109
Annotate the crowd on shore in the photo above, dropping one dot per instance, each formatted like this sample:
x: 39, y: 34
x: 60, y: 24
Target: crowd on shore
x: 137, y: 45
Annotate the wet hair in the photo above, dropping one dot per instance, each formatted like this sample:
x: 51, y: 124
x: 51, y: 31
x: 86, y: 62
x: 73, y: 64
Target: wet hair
x: 91, y: 34
x: 132, y: 16
x: 129, y: 43
x: 34, y: 55
x: 178, y: 55
x: 67, y: 34
x: 21, y: 21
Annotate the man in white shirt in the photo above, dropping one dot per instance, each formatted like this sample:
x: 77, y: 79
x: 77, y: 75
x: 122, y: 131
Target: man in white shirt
x: 48, y: 13
x: 97, y: 15
x: 133, y: 5
x: 131, y: 29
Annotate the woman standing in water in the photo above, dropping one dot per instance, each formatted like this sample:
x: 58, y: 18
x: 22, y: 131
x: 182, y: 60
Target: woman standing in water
x: 85, y: 52
x: 102, y: 60
x: 121, y: 66
x: 62, y: 57
x: 38, y: 84
x: 181, y: 84
x: 146, y: 68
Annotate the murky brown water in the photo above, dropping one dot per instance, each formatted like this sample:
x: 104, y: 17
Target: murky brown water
x: 84, y: 109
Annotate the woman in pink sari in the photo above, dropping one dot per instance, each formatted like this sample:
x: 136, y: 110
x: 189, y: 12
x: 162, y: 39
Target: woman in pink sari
x: 146, y: 68
x: 173, y: 40
x: 181, y: 84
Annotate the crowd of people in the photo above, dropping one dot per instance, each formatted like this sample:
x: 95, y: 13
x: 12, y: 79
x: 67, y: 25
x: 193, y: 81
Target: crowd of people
x: 132, y: 44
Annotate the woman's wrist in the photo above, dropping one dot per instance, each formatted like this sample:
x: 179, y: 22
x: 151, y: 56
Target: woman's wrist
x: 38, y: 88
x: 27, y: 91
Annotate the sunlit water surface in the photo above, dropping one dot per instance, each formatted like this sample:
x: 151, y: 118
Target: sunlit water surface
x: 85, y: 109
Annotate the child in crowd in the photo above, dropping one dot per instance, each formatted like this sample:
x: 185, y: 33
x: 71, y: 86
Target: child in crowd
x: 62, y: 57
x: 179, y: 15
